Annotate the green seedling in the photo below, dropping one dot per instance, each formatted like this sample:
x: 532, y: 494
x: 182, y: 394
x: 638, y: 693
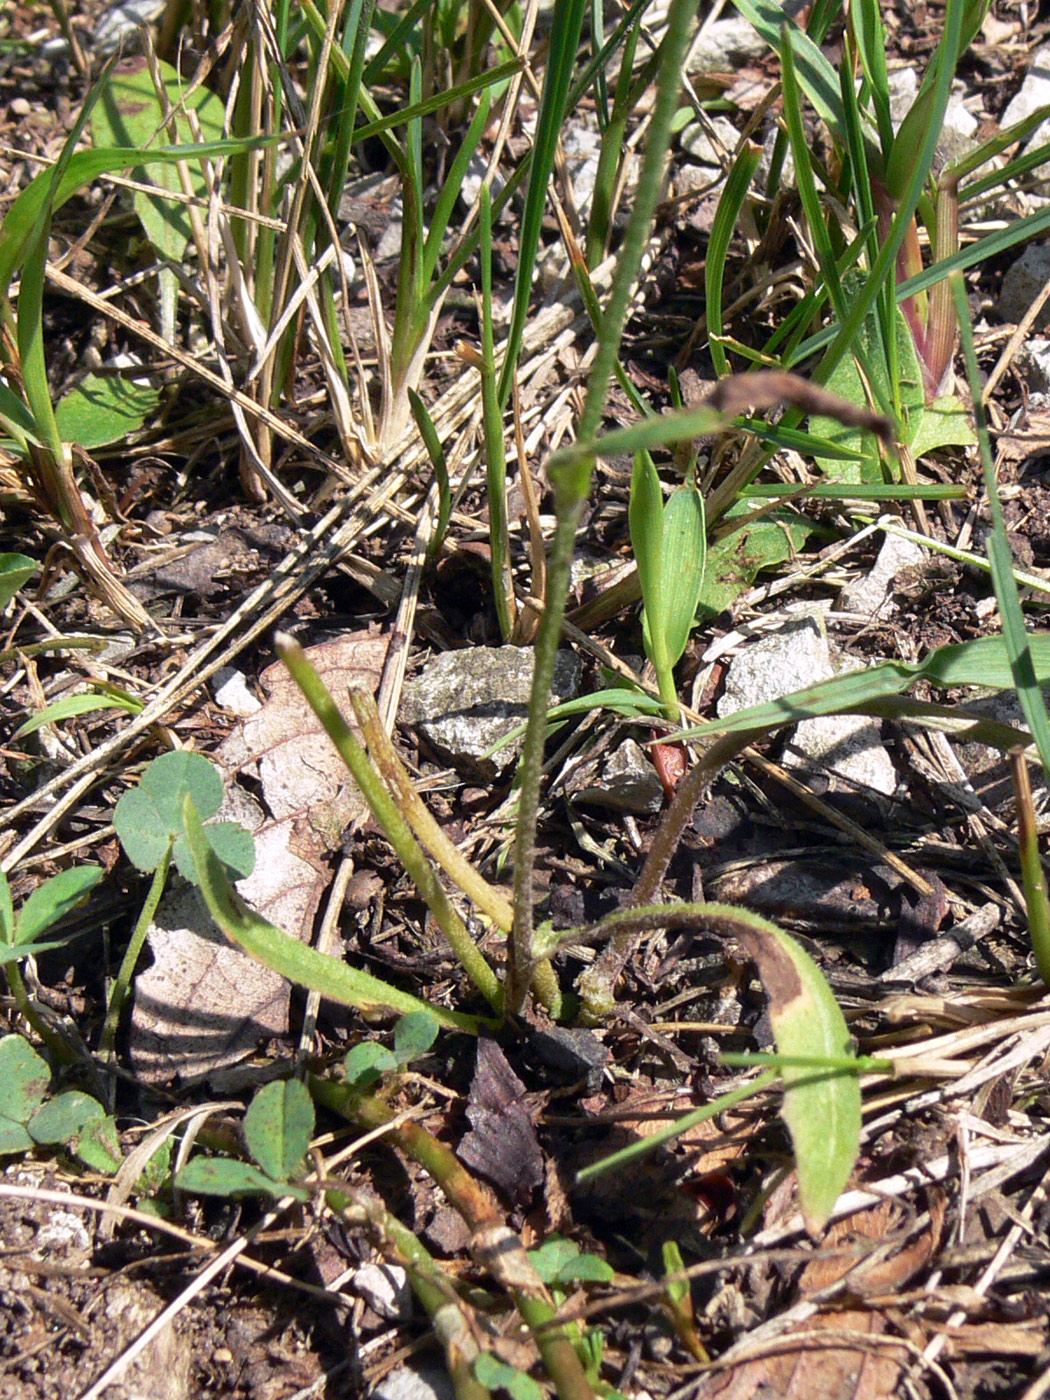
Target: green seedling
x: 71, y: 1119
x: 149, y: 823
x: 279, y: 1122
x: 82, y: 704
x: 278, y: 1127
x: 678, y: 1302
x: 368, y: 1062
x: 21, y: 934
x: 134, y: 112
x: 563, y: 1267
x: 28, y: 416
x: 669, y: 540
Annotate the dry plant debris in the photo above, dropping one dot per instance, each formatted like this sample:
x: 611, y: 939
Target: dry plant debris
x: 242, y: 500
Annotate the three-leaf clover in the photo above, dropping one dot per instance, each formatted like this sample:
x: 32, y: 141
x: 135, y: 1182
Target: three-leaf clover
x: 72, y: 1118
x: 277, y: 1131
x: 149, y: 820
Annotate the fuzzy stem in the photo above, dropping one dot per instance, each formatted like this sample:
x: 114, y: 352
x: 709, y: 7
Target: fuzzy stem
x: 417, y: 814
x: 597, y: 986
x: 571, y: 485
x: 386, y: 813
x: 494, y: 1245
x: 448, y: 1314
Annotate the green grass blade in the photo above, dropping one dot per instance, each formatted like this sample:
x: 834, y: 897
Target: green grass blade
x: 984, y: 662
x: 557, y: 77
x: 1015, y: 634
x: 426, y: 107
x: 818, y: 78
x: 729, y: 205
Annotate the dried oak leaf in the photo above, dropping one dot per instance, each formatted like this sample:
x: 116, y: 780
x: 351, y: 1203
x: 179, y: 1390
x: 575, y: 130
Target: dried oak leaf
x: 846, y: 1353
x: 204, y: 1005
x: 502, y: 1143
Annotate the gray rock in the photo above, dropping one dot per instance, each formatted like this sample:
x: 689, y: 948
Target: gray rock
x: 408, y: 1383
x: 625, y: 782
x: 385, y: 1289
x: 871, y: 593
x: 904, y: 88
x: 1033, y: 360
x: 1024, y: 280
x: 466, y: 701
x: 729, y: 44
x: 582, y: 147
x: 120, y: 24
x: 958, y: 132
x: 389, y: 245
x: 765, y: 164
x: 1033, y: 94
x: 711, y: 142
x: 795, y: 656
x: 471, y: 186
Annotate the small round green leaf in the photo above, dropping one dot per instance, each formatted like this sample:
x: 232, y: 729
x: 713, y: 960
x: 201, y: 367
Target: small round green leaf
x: 64, y: 1115
x: 234, y: 846
x: 495, y: 1374
x: 366, y: 1064
x: 24, y: 1078
x: 142, y: 833
x: 414, y: 1034
x: 221, y: 1176
x: 278, y: 1127
x: 104, y: 408
x: 15, y: 570
x: 552, y: 1257
x: 97, y: 1145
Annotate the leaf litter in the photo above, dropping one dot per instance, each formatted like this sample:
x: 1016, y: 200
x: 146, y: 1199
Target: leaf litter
x: 855, y: 1340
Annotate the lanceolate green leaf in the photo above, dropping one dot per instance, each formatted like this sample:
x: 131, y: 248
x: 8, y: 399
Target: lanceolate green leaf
x: 281, y: 953
x: 983, y: 662
x: 646, y: 518
x: 821, y: 1105
x: 685, y: 555
x: 821, y: 1108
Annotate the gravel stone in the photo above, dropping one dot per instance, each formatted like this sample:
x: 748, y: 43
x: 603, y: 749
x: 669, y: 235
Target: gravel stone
x: 795, y: 656
x: 463, y: 702
x: 1024, y: 280
x: 872, y: 592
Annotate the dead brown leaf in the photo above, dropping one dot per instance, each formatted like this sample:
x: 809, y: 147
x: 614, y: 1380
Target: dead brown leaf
x: 840, y: 1354
x: 203, y: 1005
x: 502, y: 1143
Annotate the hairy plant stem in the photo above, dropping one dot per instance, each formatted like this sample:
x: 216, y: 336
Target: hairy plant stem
x: 455, y: 865
x: 447, y: 1312
x: 386, y: 812
x: 597, y: 985
x: 571, y: 485
x: 62, y: 1053
x: 494, y: 1246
